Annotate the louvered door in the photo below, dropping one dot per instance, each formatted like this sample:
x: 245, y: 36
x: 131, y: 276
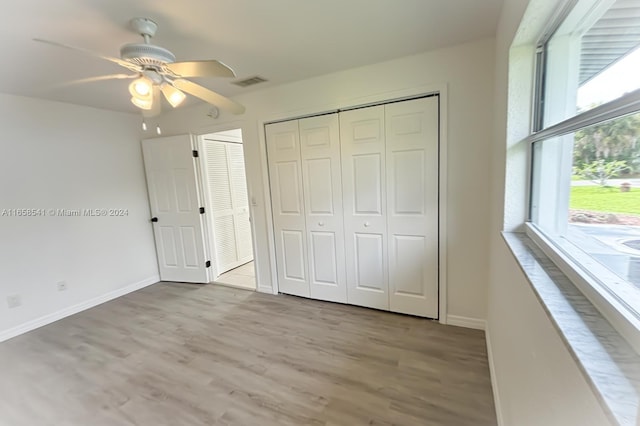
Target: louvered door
x: 240, y: 202
x: 229, y: 207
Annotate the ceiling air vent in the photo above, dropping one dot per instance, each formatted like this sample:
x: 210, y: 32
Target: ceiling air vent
x: 250, y: 81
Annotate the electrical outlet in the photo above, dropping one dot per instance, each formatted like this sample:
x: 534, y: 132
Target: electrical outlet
x: 14, y: 300
x: 62, y: 285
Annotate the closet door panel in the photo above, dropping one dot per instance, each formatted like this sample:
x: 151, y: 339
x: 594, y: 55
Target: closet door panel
x: 367, y: 185
x: 287, y: 179
x: 285, y: 173
x: 324, y: 259
x: 321, y: 176
x: 294, y: 259
x: 364, y: 192
x: 369, y: 261
x: 235, y: 155
x: 412, y: 205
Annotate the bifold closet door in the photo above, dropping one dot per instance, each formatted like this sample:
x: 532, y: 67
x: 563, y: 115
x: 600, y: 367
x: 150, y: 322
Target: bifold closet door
x: 355, y: 206
x: 321, y: 176
x: 283, y: 151
x: 364, y: 200
x: 412, y: 205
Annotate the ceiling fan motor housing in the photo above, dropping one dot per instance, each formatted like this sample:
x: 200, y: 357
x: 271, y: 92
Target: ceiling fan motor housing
x: 146, y: 54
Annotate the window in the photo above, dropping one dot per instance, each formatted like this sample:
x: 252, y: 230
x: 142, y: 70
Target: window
x: 585, y: 180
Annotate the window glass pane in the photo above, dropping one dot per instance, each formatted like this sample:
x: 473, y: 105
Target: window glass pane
x: 586, y: 196
x: 592, y: 58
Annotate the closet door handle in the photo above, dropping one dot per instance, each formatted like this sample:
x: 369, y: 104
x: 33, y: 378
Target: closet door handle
x: 366, y: 224
x: 320, y: 223
x: 154, y: 219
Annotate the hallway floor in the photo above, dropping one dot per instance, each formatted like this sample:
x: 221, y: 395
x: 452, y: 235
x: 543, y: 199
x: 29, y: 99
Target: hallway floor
x: 243, y: 277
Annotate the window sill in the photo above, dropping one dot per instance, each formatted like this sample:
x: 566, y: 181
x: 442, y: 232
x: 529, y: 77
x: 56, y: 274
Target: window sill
x: 608, y: 362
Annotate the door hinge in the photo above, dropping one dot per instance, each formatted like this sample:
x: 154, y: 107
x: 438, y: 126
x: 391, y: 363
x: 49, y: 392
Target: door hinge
x: 201, y: 210
x: 208, y: 264
x: 195, y: 154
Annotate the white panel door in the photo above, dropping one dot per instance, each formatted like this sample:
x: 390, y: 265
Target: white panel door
x: 364, y: 193
x: 321, y: 176
x: 412, y: 205
x: 173, y: 195
x: 227, y: 202
x: 285, y: 174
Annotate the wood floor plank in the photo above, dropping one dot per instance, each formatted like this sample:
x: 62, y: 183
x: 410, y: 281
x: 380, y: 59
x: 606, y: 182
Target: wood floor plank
x: 183, y: 354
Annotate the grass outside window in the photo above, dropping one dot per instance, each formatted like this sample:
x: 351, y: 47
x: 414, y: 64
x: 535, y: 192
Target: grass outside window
x: 605, y: 199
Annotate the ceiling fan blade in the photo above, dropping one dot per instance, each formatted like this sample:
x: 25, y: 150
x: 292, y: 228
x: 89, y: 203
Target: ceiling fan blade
x: 122, y: 63
x: 156, y: 105
x: 97, y: 78
x: 208, y: 96
x: 210, y: 68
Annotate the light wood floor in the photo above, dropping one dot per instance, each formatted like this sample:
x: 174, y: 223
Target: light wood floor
x: 184, y: 354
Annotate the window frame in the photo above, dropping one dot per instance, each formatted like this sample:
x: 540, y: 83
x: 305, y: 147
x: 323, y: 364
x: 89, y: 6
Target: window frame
x: 588, y: 275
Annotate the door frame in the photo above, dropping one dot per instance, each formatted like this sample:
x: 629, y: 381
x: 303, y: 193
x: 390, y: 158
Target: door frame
x: 379, y: 98
x: 208, y: 232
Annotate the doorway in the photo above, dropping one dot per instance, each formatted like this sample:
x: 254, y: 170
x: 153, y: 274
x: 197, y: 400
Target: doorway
x: 228, y: 222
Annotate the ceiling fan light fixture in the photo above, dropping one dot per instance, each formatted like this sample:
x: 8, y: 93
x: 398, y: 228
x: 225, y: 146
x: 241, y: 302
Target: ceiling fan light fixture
x: 145, y: 104
x: 155, y: 69
x: 140, y: 88
x: 173, y: 95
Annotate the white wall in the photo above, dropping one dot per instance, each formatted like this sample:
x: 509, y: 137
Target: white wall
x: 536, y: 380
x: 61, y: 156
x: 467, y: 70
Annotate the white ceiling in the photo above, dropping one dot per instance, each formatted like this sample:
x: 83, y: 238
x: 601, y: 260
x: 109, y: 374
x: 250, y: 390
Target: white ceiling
x: 280, y: 40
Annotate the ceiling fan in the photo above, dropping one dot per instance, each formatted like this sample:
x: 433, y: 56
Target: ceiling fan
x: 155, y: 71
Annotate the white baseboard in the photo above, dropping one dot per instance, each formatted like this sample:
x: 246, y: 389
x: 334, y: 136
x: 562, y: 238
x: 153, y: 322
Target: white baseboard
x: 71, y: 310
x: 494, y: 380
x: 478, y: 324
x: 265, y: 289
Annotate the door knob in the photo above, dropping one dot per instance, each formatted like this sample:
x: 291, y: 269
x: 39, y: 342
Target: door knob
x: 320, y: 223
x: 154, y: 219
x: 366, y: 224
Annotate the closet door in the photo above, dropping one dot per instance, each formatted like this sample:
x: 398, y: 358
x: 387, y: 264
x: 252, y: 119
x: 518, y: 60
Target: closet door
x: 363, y: 178
x: 412, y: 205
x: 283, y: 151
x: 320, y: 146
x: 218, y: 185
x: 238, y: 178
